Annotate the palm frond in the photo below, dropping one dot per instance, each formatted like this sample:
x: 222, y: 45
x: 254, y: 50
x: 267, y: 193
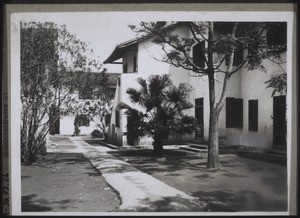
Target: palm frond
x: 135, y: 95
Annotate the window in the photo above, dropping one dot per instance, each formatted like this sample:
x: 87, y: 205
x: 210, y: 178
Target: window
x: 253, y: 115
x: 119, y: 81
x: 86, y: 93
x: 234, y: 113
x: 277, y: 34
x: 134, y: 64
x: 125, y: 68
x: 238, y: 56
x: 199, y: 54
x: 107, y: 119
x: 83, y: 120
x: 117, y: 118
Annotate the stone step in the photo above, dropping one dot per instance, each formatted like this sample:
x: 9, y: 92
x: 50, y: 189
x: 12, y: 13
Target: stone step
x: 197, y: 146
x: 188, y: 148
x: 267, y: 157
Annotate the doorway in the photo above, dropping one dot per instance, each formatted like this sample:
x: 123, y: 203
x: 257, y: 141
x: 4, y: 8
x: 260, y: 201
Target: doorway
x: 54, y: 120
x: 199, y: 117
x: 279, y: 121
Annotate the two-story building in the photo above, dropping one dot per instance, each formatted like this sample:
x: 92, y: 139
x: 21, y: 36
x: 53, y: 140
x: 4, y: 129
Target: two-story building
x: 65, y: 125
x: 250, y: 116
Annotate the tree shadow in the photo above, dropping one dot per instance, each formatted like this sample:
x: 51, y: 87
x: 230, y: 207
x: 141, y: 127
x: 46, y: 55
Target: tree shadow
x: 30, y: 203
x: 24, y: 177
x: 168, y: 204
x: 169, y: 161
x: 67, y: 158
x: 238, y: 201
x: 234, y: 175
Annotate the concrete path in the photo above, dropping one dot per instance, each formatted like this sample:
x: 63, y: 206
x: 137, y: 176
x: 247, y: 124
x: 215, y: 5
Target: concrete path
x: 138, y: 191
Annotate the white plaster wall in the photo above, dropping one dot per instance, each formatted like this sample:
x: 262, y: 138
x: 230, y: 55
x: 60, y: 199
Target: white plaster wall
x: 67, y: 126
x: 254, y: 87
x: 147, y: 65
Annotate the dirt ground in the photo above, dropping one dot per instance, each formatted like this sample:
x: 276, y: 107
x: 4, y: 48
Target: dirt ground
x: 239, y: 185
x: 67, y: 183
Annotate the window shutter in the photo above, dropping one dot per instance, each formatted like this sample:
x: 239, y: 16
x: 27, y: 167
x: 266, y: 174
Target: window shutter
x: 239, y: 113
x: 253, y: 115
x: 234, y: 113
x: 199, y: 54
x: 117, y: 118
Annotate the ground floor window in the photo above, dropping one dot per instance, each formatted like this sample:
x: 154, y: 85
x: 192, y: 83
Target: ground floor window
x: 253, y: 115
x: 234, y: 113
x: 117, y: 118
x: 83, y: 120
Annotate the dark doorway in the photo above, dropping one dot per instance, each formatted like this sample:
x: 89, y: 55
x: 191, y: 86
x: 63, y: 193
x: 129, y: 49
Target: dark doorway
x: 130, y: 131
x: 199, y: 117
x: 54, y: 120
x: 279, y: 121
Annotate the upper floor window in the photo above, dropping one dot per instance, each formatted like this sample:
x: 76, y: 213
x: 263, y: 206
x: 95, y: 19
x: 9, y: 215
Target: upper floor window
x: 238, y: 56
x: 199, y: 54
x: 277, y: 34
x: 135, y: 64
x: 125, y: 68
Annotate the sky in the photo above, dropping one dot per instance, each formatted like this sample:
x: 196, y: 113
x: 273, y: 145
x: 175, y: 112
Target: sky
x: 102, y: 30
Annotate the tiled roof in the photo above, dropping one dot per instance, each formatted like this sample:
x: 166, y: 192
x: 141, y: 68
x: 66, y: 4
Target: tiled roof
x: 122, y: 47
x: 112, y: 77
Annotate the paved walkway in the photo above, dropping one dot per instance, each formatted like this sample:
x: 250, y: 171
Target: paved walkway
x: 138, y: 191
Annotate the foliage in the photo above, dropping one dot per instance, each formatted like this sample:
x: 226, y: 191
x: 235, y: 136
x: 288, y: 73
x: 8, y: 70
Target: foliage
x: 97, y: 133
x: 49, y: 53
x: 162, y: 106
x: 278, y: 83
x: 97, y: 106
x: 222, y: 42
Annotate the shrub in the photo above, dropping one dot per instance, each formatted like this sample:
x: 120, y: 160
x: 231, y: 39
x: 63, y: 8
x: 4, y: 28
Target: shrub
x: 96, y: 134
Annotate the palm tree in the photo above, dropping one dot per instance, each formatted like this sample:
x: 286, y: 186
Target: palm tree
x: 162, y: 106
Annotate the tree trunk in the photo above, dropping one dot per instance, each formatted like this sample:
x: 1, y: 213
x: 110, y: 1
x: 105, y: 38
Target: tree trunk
x: 158, y: 143
x: 213, y: 142
x: 213, y: 160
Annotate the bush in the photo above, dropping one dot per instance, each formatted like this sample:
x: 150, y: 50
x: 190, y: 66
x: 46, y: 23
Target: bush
x: 97, y: 133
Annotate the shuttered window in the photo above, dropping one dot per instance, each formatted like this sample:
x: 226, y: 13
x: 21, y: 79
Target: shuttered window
x: 234, y: 113
x: 134, y: 64
x: 117, y: 116
x: 199, y: 54
x: 277, y: 34
x: 238, y: 57
x: 253, y: 115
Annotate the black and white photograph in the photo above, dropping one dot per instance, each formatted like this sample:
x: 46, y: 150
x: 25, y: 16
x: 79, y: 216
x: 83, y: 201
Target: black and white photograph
x: 151, y: 112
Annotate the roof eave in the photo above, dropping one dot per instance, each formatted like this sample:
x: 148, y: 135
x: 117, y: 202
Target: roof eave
x: 120, y: 48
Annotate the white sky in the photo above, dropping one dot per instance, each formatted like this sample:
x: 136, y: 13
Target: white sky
x: 104, y: 30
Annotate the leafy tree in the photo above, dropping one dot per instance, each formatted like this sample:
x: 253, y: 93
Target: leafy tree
x: 49, y: 56
x: 99, y: 107
x: 162, y: 106
x: 223, y: 41
x: 278, y: 83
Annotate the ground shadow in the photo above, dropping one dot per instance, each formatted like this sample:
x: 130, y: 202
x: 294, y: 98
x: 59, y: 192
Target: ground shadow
x: 169, y: 161
x: 238, y: 201
x: 31, y: 203
x: 168, y: 204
